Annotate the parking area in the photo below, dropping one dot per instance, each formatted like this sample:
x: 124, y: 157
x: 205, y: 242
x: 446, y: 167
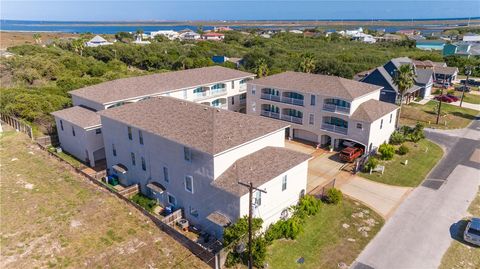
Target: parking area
x: 325, y: 166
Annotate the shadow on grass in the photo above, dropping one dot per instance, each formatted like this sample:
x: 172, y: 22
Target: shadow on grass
x: 456, y: 232
x: 463, y: 115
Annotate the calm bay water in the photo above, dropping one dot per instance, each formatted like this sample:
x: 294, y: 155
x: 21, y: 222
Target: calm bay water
x: 112, y: 28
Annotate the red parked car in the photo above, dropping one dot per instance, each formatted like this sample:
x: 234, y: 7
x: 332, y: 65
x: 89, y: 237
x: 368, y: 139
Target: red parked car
x: 453, y: 97
x: 444, y: 98
x: 350, y: 154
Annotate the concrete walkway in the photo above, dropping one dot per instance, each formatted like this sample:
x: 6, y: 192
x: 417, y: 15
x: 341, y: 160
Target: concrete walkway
x: 382, y: 198
x: 418, y: 233
x: 467, y: 105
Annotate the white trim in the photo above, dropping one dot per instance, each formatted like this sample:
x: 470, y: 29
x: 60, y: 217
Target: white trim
x: 185, y: 183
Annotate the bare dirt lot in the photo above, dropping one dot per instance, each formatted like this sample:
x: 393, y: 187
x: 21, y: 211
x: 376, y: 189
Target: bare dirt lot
x: 10, y: 39
x: 51, y: 217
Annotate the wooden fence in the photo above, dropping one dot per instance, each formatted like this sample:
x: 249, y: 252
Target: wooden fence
x: 129, y: 191
x: 212, y: 255
x: 173, y: 218
x: 48, y: 140
x: 18, y: 125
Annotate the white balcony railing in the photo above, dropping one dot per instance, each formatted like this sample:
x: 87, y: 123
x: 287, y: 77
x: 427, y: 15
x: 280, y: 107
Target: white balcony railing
x: 293, y: 119
x: 242, y: 88
x: 335, y: 108
x: 270, y: 114
x: 293, y: 101
x: 207, y: 94
x: 334, y: 128
x: 272, y: 97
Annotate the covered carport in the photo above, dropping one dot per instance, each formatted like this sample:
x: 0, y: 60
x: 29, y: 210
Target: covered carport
x: 305, y: 135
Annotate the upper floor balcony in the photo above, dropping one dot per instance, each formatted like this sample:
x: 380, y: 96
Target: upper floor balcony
x: 201, y: 93
x: 290, y: 115
x: 336, y: 106
x: 292, y: 98
x: 335, y: 125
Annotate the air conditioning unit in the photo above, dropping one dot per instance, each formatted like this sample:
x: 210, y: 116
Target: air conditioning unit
x: 183, y: 224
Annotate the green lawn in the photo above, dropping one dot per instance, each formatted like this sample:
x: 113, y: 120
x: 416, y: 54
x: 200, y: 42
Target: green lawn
x: 451, y: 117
x: 420, y: 162
x: 460, y: 255
x: 324, y: 242
x: 470, y: 98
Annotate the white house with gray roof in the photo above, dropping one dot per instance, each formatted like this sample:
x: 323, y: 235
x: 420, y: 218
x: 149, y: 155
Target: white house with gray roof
x: 191, y: 156
x: 215, y: 86
x: 325, y: 110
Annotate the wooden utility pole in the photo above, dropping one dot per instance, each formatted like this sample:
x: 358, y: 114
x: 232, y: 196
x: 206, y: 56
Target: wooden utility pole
x: 468, y: 71
x: 250, y: 213
x: 440, y: 100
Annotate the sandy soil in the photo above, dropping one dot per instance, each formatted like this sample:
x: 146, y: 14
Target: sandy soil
x: 10, y: 39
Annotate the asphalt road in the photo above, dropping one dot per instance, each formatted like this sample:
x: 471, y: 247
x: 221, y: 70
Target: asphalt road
x: 418, y: 234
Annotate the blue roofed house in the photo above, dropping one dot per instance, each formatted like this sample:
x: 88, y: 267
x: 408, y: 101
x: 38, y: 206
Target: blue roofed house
x: 383, y: 76
x: 466, y: 49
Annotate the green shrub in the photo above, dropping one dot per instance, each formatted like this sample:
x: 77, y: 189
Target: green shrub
x: 334, y: 196
x: 307, y: 206
x: 144, y: 201
x: 397, y: 138
x: 402, y: 150
x: 386, y: 151
x: 289, y: 229
x: 371, y: 163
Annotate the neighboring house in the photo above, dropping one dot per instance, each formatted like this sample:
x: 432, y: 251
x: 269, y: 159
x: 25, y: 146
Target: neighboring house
x: 383, y: 76
x: 139, y: 41
x: 215, y: 86
x: 445, y: 74
x: 213, y: 36
x: 430, y: 44
x: 408, y: 32
x: 471, y: 37
x: 80, y: 134
x: 97, y: 41
x: 466, y: 49
x: 170, y: 34
x: 220, y: 59
x: 295, y: 31
x: 389, y: 38
x: 222, y: 29
x: 326, y: 110
x: 190, y: 35
x: 364, y: 38
x: 191, y: 157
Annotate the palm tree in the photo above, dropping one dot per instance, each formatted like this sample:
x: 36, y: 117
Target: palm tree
x: 261, y: 68
x: 404, y: 80
x: 307, y: 65
x: 78, y: 45
x: 37, y: 37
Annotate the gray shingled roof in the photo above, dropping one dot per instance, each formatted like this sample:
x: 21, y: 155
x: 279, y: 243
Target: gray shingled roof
x: 423, y: 76
x: 314, y: 83
x: 389, y: 80
x: 259, y: 168
x: 204, y: 128
x: 445, y: 70
x: 79, y: 116
x: 127, y: 88
x: 372, y: 110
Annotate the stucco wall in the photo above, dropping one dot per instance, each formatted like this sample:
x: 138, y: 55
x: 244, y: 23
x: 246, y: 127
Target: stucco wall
x: 379, y: 136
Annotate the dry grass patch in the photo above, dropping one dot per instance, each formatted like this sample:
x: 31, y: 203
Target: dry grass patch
x: 51, y: 217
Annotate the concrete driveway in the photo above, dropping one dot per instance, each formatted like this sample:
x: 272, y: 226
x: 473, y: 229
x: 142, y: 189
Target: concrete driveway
x: 418, y: 233
x: 382, y: 198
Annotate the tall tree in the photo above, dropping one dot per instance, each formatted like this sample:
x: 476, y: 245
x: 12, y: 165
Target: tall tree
x: 404, y: 80
x: 78, y: 45
x: 261, y: 68
x: 307, y: 65
x: 37, y: 37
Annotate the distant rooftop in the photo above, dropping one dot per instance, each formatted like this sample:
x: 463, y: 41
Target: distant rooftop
x: 259, y: 167
x: 79, y: 116
x: 127, y: 88
x: 314, y: 83
x: 204, y: 128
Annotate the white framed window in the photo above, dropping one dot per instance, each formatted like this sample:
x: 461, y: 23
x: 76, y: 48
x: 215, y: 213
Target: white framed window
x: 391, y: 117
x: 381, y: 123
x: 61, y: 125
x: 144, y: 165
x: 311, y: 119
x: 193, y: 211
x: 171, y: 200
x: 258, y: 198
x: 253, y: 91
x: 254, y: 106
x: 114, y: 150
x: 140, y: 137
x: 98, y: 131
x: 284, y: 182
x: 312, y: 100
x: 165, y: 174
x: 129, y: 129
x: 73, y: 131
x: 284, y: 214
x: 132, y: 156
x: 359, y: 126
x: 189, y: 184
x: 187, y: 154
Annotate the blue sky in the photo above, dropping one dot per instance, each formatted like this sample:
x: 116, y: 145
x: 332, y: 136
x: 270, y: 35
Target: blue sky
x: 108, y: 10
